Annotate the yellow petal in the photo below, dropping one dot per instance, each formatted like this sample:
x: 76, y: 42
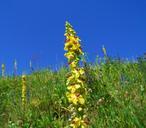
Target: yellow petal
x: 81, y: 100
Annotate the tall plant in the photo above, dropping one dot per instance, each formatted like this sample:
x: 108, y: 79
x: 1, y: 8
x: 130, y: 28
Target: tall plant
x: 76, y: 90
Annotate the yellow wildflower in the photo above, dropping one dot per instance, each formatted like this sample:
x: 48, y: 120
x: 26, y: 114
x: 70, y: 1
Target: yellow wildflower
x: 74, y: 64
x: 68, y: 45
x: 75, y: 98
x: 78, y: 123
x: 80, y: 82
x: 73, y: 88
x: 78, y: 72
x: 69, y: 55
x: 81, y: 100
x: 75, y: 81
x: 72, y: 98
x: 23, y: 90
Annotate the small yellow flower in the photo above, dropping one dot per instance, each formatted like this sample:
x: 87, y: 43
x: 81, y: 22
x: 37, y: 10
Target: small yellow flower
x: 74, y: 64
x: 81, y: 70
x: 80, y: 82
x: 75, y: 46
x: 69, y: 55
x: 78, y: 72
x: 70, y: 80
x: 81, y: 100
x: 73, y: 88
x: 68, y: 45
x: 76, y: 123
x: 74, y: 98
x: 74, y: 80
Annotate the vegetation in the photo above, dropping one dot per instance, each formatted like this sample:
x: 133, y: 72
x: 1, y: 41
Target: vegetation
x: 116, y: 97
x: 111, y: 94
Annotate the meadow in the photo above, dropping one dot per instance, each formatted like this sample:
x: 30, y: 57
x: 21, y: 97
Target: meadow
x: 116, y: 97
x: 109, y: 93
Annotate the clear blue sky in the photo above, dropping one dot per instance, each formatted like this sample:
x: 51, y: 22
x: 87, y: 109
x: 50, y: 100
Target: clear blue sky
x: 35, y: 29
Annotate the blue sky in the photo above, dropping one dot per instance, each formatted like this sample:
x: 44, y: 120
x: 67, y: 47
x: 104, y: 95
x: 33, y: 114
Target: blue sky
x: 34, y: 29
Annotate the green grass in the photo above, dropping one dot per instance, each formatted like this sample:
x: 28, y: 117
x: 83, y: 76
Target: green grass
x: 116, y: 98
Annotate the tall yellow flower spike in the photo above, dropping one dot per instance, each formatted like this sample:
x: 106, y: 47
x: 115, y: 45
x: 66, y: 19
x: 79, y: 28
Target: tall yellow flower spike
x: 75, y: 82
x: 23, y: 96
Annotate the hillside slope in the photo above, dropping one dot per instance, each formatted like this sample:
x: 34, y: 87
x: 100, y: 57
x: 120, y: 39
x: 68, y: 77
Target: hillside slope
x: 116, y: 98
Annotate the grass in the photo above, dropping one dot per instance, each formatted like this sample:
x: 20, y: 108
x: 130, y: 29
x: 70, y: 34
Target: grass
x: 116, y: 97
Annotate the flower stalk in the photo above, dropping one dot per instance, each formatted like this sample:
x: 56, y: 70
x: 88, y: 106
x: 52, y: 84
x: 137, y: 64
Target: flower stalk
x: 3, y: 70
x: 76, y: 90
x: 23, y: 91
x: 15, y: 68
x: 104, y: 51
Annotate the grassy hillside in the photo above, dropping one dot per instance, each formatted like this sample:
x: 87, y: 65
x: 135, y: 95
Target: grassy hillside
x: 116, y: 98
